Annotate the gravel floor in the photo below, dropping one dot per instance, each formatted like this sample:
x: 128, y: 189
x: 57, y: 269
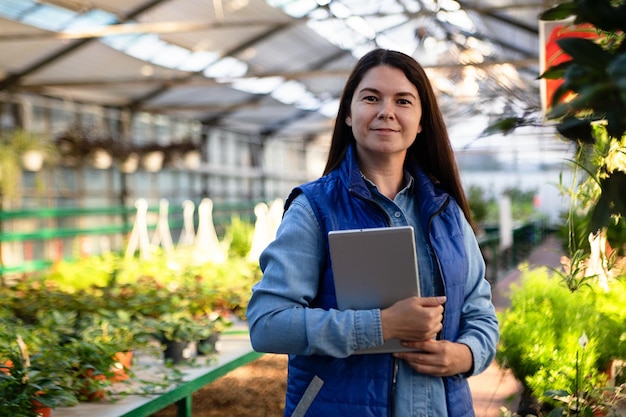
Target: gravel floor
x: 253, y: 390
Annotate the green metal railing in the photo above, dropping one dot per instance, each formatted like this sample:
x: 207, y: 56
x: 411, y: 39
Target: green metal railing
x: 48, y: 224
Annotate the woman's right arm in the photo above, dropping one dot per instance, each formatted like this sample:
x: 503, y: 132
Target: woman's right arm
x: 279, y: 313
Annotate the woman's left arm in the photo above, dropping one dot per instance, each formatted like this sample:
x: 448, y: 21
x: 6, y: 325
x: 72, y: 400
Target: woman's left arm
x: 479, y: 324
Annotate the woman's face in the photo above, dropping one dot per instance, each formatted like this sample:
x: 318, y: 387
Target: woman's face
x: 385, y: 112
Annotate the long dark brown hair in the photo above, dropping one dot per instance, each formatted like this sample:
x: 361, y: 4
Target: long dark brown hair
x: 431, y: 151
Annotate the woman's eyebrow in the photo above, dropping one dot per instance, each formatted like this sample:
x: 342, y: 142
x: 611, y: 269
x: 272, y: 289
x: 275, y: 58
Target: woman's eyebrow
x: 376, y: 91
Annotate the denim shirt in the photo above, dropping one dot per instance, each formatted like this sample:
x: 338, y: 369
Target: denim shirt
x: 280, y: 323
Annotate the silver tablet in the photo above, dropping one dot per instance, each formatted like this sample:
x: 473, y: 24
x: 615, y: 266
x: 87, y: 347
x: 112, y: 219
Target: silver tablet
x: 374, y: 268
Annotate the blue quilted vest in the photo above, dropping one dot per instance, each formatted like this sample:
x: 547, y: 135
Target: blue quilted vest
x: 361, y: 385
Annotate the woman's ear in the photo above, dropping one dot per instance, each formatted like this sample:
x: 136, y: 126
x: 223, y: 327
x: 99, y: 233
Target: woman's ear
x: 349, y: 121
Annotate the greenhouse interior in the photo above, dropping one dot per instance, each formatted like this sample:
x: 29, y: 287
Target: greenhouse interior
x: 148, y: 148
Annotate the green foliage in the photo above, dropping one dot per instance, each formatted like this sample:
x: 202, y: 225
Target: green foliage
x: 85, y: 272
x: 596, y: 75
x: 180, y: 327
x: 10, y: 172
x: 592, y: 93
x: 239, y: 234
x: 13, y: 144
x: 77, y: 317
x: 594, y: 202
x: 542, y: 329
x: 522, y: 203
x: 479, y: 204
x: 484, y: 206
x: 25, y: 379
x: 596, y: 72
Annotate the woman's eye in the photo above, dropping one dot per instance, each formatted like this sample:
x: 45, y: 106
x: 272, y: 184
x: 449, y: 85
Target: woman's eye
x: 369, y: 98
x: 404, y: 101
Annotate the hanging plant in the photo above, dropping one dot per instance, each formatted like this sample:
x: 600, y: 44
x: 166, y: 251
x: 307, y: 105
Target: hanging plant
x: 184, y: 154
x: 21, y: 150
x: 73, y: 147
x: 10, y: 172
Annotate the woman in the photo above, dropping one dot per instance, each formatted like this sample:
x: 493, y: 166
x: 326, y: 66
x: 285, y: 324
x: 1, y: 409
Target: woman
x: 390, y: 164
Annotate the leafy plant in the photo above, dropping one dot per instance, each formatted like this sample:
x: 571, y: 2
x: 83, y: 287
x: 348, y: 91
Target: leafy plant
x: 238, y: 235
x: 598, y: 402
x: 541, y: 329
x: 593, y: 92
x: 25, y: 385
x: 180, y: 327
x: 14, y: 145
x: 596, y: 72
x: 479, y: 204
x: 485, y: 208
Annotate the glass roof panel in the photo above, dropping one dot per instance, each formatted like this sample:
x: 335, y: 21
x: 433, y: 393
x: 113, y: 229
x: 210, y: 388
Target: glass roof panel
x: 198, y: 61
x: 330, y: 108
x: 339, y: 10
x: 294, y: 92
x: 337, y: 32
x: 92, y: 19
x: 121, y: 42
x: 434, y: 31
x: 294, y: 8
x: 171, y: 56
x: 226, y: 69
x: 145, y: 47
x: 382, y: 23
x: 258, y: 85
x: 450, y: 5
x: 48, y: 17
x: 13, y: 9
x: 368, y: 7
x: 457, y: 18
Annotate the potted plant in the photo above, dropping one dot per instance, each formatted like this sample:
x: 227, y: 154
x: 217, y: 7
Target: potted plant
x: 178, y: 333
x: 87, y: 349
x: 92, y: 367
x: 33, y: 149
x: 123, y: 332
x: 27, y: 390
x: 21, y: 150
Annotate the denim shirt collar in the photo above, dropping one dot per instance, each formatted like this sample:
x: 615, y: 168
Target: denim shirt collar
x: 434, y: 197
x: 406, y: 190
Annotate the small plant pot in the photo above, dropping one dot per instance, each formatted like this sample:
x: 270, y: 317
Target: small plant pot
x: 192, y: 160
x: 42, y: 410
x: 101, y: 159
x: 210, y: 345
x: 123, y: 361
x: 153, y: 161
x: 179, y: 352
x: 32, y: 160
x: 90, y: 389
x: 6, y: 367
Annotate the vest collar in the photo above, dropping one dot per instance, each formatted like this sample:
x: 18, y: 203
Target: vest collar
x: 430, y: 197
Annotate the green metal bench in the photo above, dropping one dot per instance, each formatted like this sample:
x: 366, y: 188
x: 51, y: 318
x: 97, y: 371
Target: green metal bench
x: 235, y: 351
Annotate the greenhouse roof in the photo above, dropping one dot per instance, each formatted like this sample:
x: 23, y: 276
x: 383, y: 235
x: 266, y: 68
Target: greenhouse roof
x: 273, y: 67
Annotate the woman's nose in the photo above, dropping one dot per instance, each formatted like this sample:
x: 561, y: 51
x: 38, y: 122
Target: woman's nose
x: 386, y: 112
